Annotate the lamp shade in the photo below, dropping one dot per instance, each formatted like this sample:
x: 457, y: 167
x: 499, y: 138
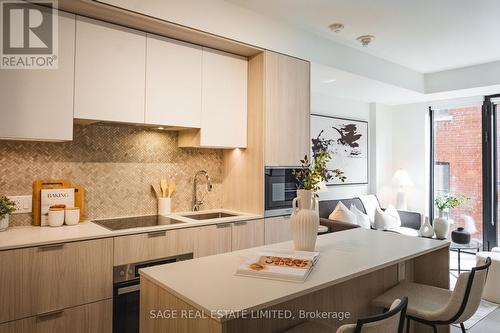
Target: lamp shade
x: 402, y: 179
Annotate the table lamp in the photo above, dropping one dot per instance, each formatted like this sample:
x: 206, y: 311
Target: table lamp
x: 402, y: 180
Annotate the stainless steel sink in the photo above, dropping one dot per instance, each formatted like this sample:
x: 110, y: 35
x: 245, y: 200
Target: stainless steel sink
x: 207, y: 216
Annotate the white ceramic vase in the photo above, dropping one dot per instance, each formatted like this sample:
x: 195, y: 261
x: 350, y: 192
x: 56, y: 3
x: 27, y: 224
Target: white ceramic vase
x: 426, y: 230
x: 304, y: 221
x: 4, y: 223
x: 441, y: 226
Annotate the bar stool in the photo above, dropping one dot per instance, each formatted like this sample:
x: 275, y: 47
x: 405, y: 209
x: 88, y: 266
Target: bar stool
x: 436, y: 306
x: 492, y: 288
x: 391, y: 321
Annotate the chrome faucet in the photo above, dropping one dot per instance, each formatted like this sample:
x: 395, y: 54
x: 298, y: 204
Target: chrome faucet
x: 197, y: 203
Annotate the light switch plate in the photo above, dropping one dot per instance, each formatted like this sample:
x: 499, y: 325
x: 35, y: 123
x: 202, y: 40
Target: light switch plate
x: 23, y: 203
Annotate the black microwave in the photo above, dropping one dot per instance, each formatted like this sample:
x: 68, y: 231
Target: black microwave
x: 280, y: 190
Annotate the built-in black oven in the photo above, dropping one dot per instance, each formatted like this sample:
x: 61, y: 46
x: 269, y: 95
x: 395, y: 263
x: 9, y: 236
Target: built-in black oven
x: 280, y: 189
x: 126, y: 292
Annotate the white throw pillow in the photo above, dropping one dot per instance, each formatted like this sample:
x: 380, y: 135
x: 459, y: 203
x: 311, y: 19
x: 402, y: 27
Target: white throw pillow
x: 343, y: 214
x: 362, y: 219
x: 387, y: 220
x: 370, y: 203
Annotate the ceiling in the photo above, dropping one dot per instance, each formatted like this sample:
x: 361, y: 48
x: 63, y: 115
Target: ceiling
x: 424, y: 35
x: 330, y: 81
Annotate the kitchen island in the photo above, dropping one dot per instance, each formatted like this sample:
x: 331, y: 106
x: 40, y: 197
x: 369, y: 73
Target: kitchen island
x: 205, y: 295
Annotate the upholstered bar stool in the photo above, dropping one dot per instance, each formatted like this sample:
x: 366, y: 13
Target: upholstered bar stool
x: 391, y: 321
x: 436, y: 306
x: 492, y: 288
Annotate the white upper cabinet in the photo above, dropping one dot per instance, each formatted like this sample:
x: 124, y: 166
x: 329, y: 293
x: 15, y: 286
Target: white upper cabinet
x: 38, y: 104
x: 173, y: 82
x: 110, y: 70
x: 224, y: 100
x: 223, y: 103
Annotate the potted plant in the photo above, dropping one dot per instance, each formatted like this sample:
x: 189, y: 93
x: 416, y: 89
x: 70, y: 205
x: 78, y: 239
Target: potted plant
x: 309, y: 176
x: 7, y: 207
x: 443, y: 203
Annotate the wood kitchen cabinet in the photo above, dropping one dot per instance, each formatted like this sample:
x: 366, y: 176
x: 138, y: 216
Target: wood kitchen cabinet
x: 246, y: 234
x: 89, y: 318
x: 110, y: 66
x: 152, y: 245
x: 223, y: 103
x: 287, y: 109
x: 277, y: 229
x: 47, y: 278
x: 38, y: 104
x: 212, y: 239
x: 173, y: 82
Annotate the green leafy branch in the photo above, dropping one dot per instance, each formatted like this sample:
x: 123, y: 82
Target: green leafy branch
x: 312, y: 173
x: 447, y: 201
x: 7, y: 206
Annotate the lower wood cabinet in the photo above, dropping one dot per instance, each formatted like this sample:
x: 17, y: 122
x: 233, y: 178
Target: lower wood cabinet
x: 42, y: 279
x: 153, y: 245
x: 89, y: 318
x: 212, y: 239
x: 246, y: 234
x: 278, y: 229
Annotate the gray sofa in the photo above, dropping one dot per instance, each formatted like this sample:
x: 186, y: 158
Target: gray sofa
x: 408, y: 219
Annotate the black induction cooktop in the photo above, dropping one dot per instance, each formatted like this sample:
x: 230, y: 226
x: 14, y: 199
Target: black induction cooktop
x: 136, y: 222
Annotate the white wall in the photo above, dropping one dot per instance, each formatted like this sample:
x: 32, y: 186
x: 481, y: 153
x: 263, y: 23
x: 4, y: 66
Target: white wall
x: 333, y: 106
x: 382, y: 118
x: 411, y: 151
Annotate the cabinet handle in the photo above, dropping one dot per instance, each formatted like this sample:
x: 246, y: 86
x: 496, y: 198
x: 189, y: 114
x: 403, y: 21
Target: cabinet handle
x: 46, y: 315
x: 240, y: 223
x: 157, y: 234
x: 223, y: 225
x: 50, y: 247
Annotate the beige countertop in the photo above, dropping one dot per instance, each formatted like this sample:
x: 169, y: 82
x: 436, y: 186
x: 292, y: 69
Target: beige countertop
x: 27, y: 236
x: 344, y: 255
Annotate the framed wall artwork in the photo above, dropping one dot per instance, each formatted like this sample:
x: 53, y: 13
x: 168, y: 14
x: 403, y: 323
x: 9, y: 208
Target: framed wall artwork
x: 348, y: 141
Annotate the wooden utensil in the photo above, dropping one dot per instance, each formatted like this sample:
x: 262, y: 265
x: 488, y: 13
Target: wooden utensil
x: 164, y: 187
x: 155, y: 191
x: 171, y: 189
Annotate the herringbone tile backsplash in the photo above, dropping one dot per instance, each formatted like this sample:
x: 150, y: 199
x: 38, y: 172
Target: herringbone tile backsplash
x: 116, y: 165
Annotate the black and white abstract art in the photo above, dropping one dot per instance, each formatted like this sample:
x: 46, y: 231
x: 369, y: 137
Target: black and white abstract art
x: 348, y: 142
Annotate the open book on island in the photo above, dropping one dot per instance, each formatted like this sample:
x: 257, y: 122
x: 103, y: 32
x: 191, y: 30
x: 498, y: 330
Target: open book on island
x: 294, y: 266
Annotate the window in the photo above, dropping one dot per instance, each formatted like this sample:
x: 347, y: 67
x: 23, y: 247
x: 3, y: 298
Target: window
x: 457, y: 156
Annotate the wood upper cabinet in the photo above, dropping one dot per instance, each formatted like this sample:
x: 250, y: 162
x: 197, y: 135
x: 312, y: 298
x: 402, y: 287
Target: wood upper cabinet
x: 109, y: 72
x: 223, y: 103
x: 246, y: 234
x: 212, y: 239
x: 287, y: 109
x: 42, y: 279
x: 278, y: 229
x: 173, y: 82
x: 89, y: 318
x: 153, y: 245
x: 38, y: 104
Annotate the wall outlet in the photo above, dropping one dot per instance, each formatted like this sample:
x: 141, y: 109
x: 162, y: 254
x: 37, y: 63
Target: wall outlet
x: 23, y: 203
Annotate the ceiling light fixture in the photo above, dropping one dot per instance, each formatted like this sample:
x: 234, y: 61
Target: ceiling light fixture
x: 336, y: 27
x: 365, y: 40
x: 160, y: 128
x: 329, y: 80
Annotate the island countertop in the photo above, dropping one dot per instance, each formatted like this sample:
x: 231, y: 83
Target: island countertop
x: 210, y: 284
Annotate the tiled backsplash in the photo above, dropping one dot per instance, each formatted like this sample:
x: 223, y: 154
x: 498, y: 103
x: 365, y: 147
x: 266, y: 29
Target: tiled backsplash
x: 116, y: 165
